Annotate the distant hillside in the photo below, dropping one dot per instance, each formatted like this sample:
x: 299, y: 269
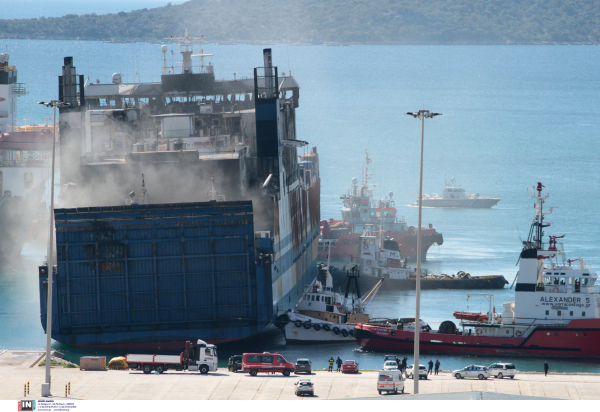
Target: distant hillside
x: 335, y: 21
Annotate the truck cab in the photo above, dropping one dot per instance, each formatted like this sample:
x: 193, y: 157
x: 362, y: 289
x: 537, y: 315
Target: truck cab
x: 204, y: 357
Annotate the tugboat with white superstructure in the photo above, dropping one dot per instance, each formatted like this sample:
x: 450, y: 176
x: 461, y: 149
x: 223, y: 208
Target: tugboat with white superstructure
x: 556, y: 312
x: 359, y: 211
x: 325, y: 316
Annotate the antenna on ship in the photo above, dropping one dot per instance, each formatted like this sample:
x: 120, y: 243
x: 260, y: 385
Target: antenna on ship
x: 186, y: 50
x: 212, y: 194
x: 164, y: 49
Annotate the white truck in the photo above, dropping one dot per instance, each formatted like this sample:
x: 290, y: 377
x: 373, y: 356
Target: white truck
x: 199, y: 358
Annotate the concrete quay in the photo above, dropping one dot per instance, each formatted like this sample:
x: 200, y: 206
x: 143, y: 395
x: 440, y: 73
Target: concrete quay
x: 20, y: 367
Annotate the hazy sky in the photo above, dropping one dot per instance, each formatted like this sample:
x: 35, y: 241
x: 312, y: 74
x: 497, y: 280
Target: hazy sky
x: 28, y: 9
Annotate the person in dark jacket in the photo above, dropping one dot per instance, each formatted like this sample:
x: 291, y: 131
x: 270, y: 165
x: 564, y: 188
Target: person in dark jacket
x: 230, y: 364
x: 437, y: 366
x: 331, y: 361
x: 430, y: 370
x: 404, y: 363
x: 546, y: 367
x: 339, y: 364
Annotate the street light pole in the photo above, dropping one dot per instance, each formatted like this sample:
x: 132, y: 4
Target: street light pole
x: 46, y: 385
x: 421, y: 114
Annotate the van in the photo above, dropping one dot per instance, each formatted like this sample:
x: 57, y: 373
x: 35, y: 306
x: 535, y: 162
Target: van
x: 501, y: 370
x: 266, y: 362
x: 390, y: 381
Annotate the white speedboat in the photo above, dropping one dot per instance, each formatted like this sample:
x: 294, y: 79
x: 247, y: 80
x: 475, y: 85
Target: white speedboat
x: 455, y: 196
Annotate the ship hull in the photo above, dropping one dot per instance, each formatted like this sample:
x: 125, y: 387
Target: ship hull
x: 368, y: 282
x: 300, y: 330
x: 577, y: 340
x: 196, y: 274
x: 479, y: 203
x: 345, y: 248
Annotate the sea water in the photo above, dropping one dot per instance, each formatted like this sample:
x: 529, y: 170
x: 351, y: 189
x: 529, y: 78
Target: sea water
x: 512, y: 116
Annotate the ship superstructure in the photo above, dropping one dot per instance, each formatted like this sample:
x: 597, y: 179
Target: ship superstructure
x: 179, y: 266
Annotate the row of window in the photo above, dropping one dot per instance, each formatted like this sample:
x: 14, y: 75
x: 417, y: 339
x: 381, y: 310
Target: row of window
x: 555, y: 280
x: 318, y: 298
x: 559, y: 313
x: 262, y: 359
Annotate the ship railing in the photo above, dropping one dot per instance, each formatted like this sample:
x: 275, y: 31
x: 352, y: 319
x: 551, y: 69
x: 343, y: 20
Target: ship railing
x: 266, y: 82
x: 19, y: 89
x: 22, y: 163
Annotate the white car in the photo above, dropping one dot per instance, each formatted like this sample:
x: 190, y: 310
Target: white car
x: 410, y: 372
x: 304, y: 387
x: 472, y: 371
x: 390, y: 365
x: 500, y: 370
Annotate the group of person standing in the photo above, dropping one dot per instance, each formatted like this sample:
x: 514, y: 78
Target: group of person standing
x: 437, y: 366
x: 402, y: 365
x: 338, y: 362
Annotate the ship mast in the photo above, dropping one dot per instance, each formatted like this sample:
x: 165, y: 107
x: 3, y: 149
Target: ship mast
x: 536, y: 231
x: 365, y: 177
x: 186, y: 50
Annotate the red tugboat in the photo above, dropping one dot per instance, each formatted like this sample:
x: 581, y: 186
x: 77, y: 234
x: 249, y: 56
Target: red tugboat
x: 361, y: 211
x: 556, y: 312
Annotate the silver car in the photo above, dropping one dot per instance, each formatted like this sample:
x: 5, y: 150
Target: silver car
x: 304, y: 387
x: 472, y: 371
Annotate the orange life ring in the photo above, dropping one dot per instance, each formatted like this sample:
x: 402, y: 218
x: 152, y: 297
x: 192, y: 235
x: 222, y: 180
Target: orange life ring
x: 368, y: 263
x: 365, y: 246
x: 518, y: 333
x: 555, y: 290
x: 477, y: 332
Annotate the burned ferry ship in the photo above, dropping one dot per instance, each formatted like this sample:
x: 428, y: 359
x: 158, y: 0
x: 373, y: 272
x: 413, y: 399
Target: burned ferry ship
x: 172, y: 263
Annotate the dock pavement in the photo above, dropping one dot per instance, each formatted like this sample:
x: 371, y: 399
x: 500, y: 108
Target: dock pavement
x: 19, y: 367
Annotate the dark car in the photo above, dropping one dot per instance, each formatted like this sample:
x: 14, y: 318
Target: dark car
x: 237, y: 363
x: 302, y: 365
